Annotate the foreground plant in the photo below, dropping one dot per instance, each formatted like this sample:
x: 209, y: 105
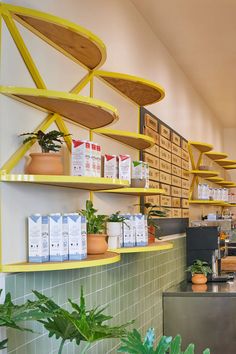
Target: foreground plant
x: 51, y: 141
x: 134, y: 344
x: 80, y: 324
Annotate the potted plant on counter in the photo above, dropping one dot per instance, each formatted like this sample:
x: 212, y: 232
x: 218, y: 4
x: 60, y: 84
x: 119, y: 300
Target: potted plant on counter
x: 114, y: 229
x: 199, y: 270
x: 96, y: 225
x: 49, y: 161
x: 153, y: 212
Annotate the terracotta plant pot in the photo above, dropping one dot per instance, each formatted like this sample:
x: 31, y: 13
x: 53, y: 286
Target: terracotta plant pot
x: 45, y: 164
x: 96, y: 243
x: 199, y: 279
x: 151, y: 234
x: 199, y: 288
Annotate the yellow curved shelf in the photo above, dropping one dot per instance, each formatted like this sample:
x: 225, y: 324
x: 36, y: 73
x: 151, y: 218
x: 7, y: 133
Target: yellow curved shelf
x: 136, y: 191
x: 230, y: 167
x: 203, y: 147
x: 226, y: 162
x: 215, y: 179
x: 91, y: 261
x: 226, y: 183
x: 135, y: 140
x: 140, y: 91
x: 87, y: 183
x: 157, y: 246
x: 76, y: 42
x: 215, y: 155
x: 210, y: 202
x: 203, y: 173
x: 88, y: 112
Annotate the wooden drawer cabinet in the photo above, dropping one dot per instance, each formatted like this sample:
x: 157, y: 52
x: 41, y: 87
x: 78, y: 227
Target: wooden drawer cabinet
x: 175, y: 191
x: 165, y: 177
x: 176, y: 160
x: 176, y: 171
x: 176, y: 150
x: 154, y: 135
x: 154, y: 150
x: 164, y: 143
x: 151, y: 160
x: 165, y: 131
x: 151, y: 122
x: 165, y: 155
x: 165, y: 201
x: 176, y: 202
x: 165, y: 166
x: 175, y: 139
x: 176, y: 181
x: 154, y: 175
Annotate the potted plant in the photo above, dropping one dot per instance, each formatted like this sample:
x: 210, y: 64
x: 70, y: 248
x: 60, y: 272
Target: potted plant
x: 115, y: 229
x: 46, y: 162
x: 96, y: 225
x: 199, y: 270
x: 152, y: 212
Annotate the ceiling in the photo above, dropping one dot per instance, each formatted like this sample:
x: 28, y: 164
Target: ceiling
x: 201, y: 36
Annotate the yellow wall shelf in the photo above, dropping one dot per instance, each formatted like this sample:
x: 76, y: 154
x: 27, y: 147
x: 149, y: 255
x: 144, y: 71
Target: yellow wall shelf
x: 226, y: 162
x: 87, y: 183
x: 157, y: 246
x: 214, y: 179
x: 140, y: 91
x: 208, y: 202
x: 86, y: 111
x: 203, y: 173
x: 225, y: 183
x: 215, y: 155
x: 230, y: 167
x: 135, y: 140
x: 202, y: 147
x: 91, y: 261
x: 136, y: 191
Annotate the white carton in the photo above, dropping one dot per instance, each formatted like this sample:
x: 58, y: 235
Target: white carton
x: 65, y: 235
x: 80, y: 158
x: 99, y: 161
x: 56, y: 238
x: 77, y: 237
x: 145, y: 170
x: 137, y: 170
x: 110, y: 166
x: 38, y: 245
x: 128, y: 231
x: 140, y: 232
x: 84, y: 236
x: 124, y: 167
x: 93, y: 156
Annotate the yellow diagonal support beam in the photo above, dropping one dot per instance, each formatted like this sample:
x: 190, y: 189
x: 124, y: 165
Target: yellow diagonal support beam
x: 63, y: 128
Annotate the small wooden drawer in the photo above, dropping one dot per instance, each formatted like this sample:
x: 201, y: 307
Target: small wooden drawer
x: 164, y: 131
x: 153, y: 199
x: 185, y: 184
x: 185, y: 193
x: 185, y: 203
x: 165, y: 201
x: 175, y: 139
x: 176, y: 160
x: 165, y: 155
x: 175, y: 202
x: 185, y: 155
x: 151, y: 122
x: 166, y: 187
x: 176, y: 181
x: 149, y: 132
x: 154, y: 150
x: 164, y: 143
x: 184, y: 145
x: 176, y: 171
x: 175, y: 191
x: 176, y: 150
x: 185, y: 165
x: 185, y: 174
x: 165, y: 177
x: 176, y: 213
x: 154, y: 175
x: 151, y: 160
x: 153, y: 184
x: 165, y: 166
x: 185, y: 213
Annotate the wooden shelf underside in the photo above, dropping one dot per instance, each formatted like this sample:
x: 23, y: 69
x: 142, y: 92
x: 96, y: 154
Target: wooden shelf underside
x: 215, y: 155
x: 136, y: 191
x: 87, y: 183
x: 208, y: 202
x: 224, y: 163
x: 157, y: 246
x: 202, y: 147
x: 215, y: 179
x: 203, y: 173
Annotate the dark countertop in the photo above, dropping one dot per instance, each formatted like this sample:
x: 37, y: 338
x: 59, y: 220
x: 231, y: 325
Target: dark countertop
x: 211, y: 289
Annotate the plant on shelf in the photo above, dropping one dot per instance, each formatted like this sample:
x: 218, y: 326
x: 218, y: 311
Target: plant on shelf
x: 46, y: 162
x: 199, y: 270
x: 153, y: 212
x: 134, y: 344
x: 96, y: 226
x: 80, y: 325
x: 114, y: 229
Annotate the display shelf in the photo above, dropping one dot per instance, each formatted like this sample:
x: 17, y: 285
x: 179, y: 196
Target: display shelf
x: 157, y: 246
x: 141, y: 91
x: 214, y: 179
x: 202, y: 147
x: 135, y: 140
x: 91, y: 261
x: 87, y: 183
x: 207, y: 202
x: 225, y: 183
x: 215, y: 155
x: 230, y: 167
x: 203, y: 173
x: 74, y: 41
x: 88, y: 112
x: 141, y: 192
x: 226, y: 162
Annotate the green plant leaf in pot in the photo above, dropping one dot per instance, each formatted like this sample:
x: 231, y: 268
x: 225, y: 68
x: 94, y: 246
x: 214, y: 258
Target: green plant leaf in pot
x: 96, y: 224
x: 199, y: 267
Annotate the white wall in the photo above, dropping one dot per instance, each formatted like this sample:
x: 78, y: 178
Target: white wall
x: 131, y: 48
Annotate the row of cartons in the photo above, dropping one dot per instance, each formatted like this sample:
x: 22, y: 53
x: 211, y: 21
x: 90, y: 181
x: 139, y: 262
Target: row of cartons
x: 134, y: 231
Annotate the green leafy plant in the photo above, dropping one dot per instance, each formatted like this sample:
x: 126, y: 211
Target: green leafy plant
x: 51, y: 141
x: 96, y: 224
x: 199, y: 267
x: 116, y: 217
x: 11, y: 315
x: 134, y: 344
x: 152, y: 213
x: 80, y: 324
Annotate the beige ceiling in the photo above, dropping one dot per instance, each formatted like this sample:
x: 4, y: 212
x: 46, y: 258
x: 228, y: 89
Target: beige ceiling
x: 201, y: 36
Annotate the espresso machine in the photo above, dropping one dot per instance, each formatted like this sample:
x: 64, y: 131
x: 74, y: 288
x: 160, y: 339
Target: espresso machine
x: 203, y: 242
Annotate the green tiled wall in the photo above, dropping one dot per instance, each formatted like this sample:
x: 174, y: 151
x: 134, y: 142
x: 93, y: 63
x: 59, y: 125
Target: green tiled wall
x: 132, y: 289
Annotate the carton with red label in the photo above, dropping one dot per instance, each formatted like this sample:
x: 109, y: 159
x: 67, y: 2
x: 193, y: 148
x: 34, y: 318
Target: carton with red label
x: 110, y: 166
x: 80, y: 158
x: 124, y: 167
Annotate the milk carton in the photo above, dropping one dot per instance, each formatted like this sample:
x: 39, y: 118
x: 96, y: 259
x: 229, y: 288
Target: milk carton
x: 38, y: 245
x: 84, y: 237
x: 128, y: 231
x: 65, y: 235
x: 80, y: 158
x: 140, y: 232
x: 145, y: 173
x: 137, y: 169
x: 110, y: 166
x: 99, y: 161
x: 124, y: 167
x: 93, y: 157
x: 56, y: 238
x: 77, y: 237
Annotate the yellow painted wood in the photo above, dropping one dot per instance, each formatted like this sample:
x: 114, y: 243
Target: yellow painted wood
x: 135, y: 140
x: 136, y: 191
x: 87, y: 183
x: 210, y: 202
x: 88, y: 112
x: 77, y: 43
x: 215, y: 155
x: 157, y: 246
x: 63, y: 128
x: 203, y: 147
x: 203, y: 173
x: 140, y: 91
x: 214, y: 179
x: 230, y: 167
x: 225, y: 183
x: 226, y: 162
x: 91, y: 261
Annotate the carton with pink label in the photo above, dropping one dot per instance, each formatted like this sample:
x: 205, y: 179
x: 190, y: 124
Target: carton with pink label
x: 124, y: 166
x: 81, y: 158
x: 110, y: 164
